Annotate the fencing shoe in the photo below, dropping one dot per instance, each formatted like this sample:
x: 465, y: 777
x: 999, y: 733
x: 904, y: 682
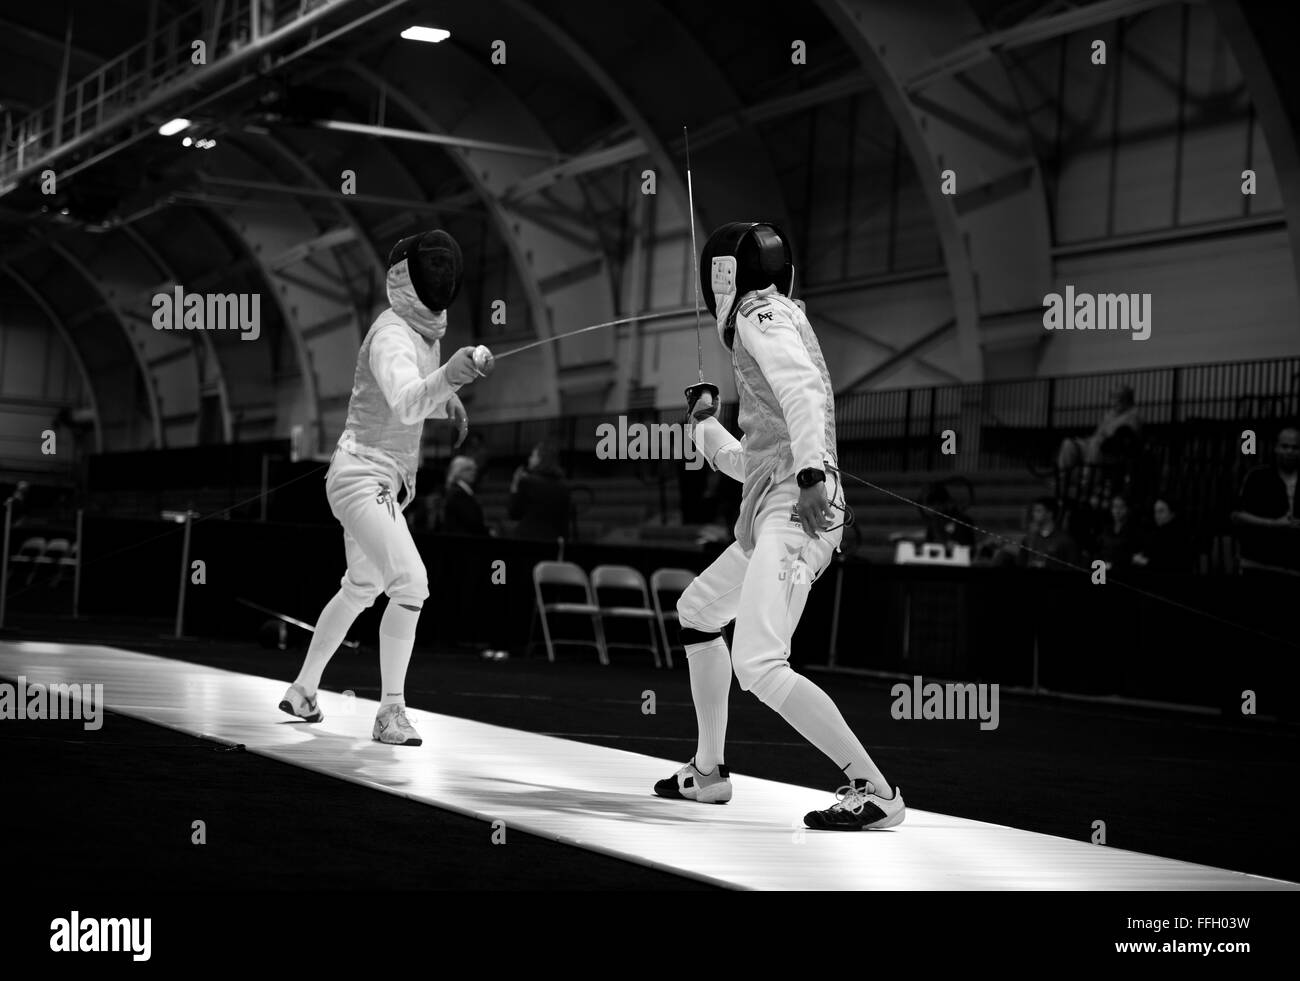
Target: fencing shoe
x: 392, y: 727
x: 689, y: 783
x: 858, y: 808
x: 296, y: 703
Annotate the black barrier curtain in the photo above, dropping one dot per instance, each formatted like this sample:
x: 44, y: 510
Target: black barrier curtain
x: 1197, y: 640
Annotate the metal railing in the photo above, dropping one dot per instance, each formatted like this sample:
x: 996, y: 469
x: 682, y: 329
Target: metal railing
x: 1020, y: 422
x: 101, y: 100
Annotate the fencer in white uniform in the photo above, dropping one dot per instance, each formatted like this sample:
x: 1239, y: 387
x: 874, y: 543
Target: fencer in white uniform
x: 786, y: 533
x: 371, y: 478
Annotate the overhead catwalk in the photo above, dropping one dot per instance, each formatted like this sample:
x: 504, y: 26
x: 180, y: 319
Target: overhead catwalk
x: 600, y: 799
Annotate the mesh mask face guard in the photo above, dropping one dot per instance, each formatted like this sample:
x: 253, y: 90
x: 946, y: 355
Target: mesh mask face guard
x: 435, y: 265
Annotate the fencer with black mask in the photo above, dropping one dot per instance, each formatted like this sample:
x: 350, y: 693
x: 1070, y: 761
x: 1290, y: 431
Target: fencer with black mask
x: 371, y: 478
x: 785, y: 535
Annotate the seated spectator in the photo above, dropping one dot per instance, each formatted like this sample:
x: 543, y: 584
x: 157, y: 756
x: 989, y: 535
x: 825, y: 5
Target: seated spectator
x: 539, y: 497
x: 1112, y: 441
x: 475, y: 447
x: 1118, y: 540
x: 1167, y: 547
x: 1044, y: 541
x: 946, y: 521
x: 461, y: 512
x: 1268, y: 528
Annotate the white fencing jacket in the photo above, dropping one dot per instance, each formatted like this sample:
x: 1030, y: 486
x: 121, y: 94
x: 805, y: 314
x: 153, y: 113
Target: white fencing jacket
x: 398, y: 383
x: 787, y: 404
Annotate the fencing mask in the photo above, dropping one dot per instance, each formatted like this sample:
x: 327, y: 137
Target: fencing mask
x: 434, y: 266
x: 739, y: 257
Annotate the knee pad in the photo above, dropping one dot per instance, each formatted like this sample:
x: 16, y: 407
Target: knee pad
x: 690, y: 637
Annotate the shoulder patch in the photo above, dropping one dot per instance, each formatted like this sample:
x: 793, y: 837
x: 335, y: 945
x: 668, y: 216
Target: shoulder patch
x: 760, y: 312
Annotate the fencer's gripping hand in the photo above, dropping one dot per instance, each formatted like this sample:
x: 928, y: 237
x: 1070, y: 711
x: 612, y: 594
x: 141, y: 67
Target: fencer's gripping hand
x: 815, y: 512
x: 702, y: 402
x: 457, y: 414
x: 460, y: 368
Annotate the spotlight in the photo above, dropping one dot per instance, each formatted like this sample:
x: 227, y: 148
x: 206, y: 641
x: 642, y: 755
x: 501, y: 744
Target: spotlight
x: 188, y: 141
x: 173, y: 126
x: 431, y: 34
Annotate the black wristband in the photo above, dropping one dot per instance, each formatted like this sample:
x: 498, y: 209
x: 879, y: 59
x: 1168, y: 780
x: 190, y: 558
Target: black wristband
x: 809, y: 476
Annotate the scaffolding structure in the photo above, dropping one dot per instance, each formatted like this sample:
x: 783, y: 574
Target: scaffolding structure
x: 155, y: 74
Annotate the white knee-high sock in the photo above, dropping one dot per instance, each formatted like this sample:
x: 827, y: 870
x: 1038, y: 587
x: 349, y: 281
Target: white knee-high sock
x: 332, y: 627
x: 710, y: 665
x: 816, y: 718
x: 396, y: 641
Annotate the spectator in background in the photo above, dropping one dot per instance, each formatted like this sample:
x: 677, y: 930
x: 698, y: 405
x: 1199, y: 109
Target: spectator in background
x: 1045, y: 540
x: 475, y: 447
x: 1167, y: 547
x: 539, y: 497
x: 1118, y: 541
x: 461, y: 512
x: 946, y: 521
x: 1268, y: 528
x: 424, y: 513
x: 1114, y: 438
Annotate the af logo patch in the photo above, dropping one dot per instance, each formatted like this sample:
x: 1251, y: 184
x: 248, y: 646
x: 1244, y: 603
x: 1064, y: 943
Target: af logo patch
x: 764, y: 316
x: 385, y: 496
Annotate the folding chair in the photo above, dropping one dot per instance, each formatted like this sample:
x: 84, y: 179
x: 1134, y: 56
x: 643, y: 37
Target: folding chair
x: 30, y: 551
x: 627, y: 580
x: 1224, y: 556
x: 564, y: 574
x: 672, y: 581
x: 55, y: 549
x: 62, y: 554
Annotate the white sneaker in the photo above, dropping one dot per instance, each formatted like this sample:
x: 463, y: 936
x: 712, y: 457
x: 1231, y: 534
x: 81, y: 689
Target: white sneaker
x: 689, y: 783
x: 297, y: 703
x: 858, y: 807
x: 393, y: 727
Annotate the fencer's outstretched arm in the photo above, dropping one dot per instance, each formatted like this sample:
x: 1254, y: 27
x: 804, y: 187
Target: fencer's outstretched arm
x: 414, y: 397
x: 720, y: 448
x: 795, y: 381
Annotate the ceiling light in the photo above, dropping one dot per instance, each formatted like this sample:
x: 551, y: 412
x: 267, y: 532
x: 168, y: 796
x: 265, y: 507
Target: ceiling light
x: 430, y: 34
x: 173, y: 126
x: 188, y: 141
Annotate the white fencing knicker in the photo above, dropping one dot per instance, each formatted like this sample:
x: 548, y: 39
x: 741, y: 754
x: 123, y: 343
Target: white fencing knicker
x: 764, y: 592
x: 381, y: 554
